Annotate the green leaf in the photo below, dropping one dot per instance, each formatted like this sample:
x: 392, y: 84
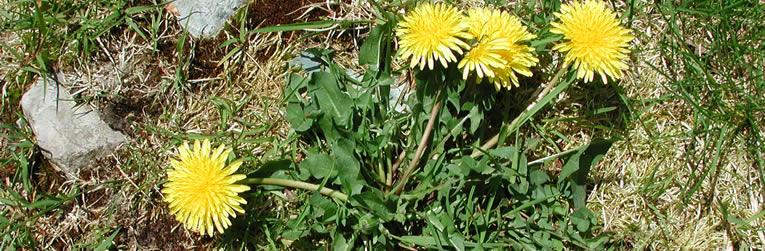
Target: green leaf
x: 327, y: 126
x: 108, y: 242
x: 505, y: 152
x: 430, y: 242
x: 228, y: 42
x: 368, y: 223
x: 292, y: 91
x: 526, y: 115
x: 578, y: 165
x: 425, y: 241
x: 140, y: 9
x: 347, y: 165
x: 226, y: 109
x: 273, y: 169
x: 297, y: 117
x: 131, y: 23
x: 332, y: 100
x: 482, y: 167
x: 45, y: 204
x: 475, y: 116
x: 538, y: 177
x: 583, y: 219
x: 4, y: 221
x: 324, y: 209
x: 375, y: 201
x: 339, y: 243
x: 458, y: 170
x: 320, y: 165
x: 370, y: 50
x: 458, y: 242
x: 228, y: 55
x: 541, y: 43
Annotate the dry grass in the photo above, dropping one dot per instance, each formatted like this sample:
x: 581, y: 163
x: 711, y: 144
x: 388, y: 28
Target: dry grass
x: 640, y: 185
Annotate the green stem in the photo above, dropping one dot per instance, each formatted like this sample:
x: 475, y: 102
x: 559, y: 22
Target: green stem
x: 381, y: 173
x: 298, y: 184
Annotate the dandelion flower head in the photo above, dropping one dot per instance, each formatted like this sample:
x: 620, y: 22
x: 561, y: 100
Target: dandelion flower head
x: 432, y: 32
x: 593, y: 39
x: 499, y: 50
x: 202, y: 190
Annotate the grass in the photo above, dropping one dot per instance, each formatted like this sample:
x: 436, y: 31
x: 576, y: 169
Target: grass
x: 687, y: 172
x: 689, y: 166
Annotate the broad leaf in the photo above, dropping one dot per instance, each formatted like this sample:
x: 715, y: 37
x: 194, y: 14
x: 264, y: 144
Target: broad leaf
x: 297, y: 117
x: 578, y: 166
x: 375, y: 201
x: 347, y: 165
x: 370, y: 50
x: 332, y: 100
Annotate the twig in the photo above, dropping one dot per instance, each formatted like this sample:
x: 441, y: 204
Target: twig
x: 517, y: 121
x: 420, y: 148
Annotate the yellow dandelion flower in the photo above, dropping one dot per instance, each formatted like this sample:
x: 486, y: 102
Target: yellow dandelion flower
x: 499, y: 51
x: 432, y: 33
x: 202, y: 190
x: 594, y: 40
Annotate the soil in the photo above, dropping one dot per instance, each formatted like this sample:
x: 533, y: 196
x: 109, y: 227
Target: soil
x: 130, y: 107
x: 207, y: 55
x: 268, y: 13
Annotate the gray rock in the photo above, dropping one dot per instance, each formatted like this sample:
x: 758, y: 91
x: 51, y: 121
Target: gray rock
x: 72, y: 137
x: 205, y: 18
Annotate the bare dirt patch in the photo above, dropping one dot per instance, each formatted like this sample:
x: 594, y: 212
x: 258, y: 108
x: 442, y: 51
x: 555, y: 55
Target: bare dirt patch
x: 267, y: 13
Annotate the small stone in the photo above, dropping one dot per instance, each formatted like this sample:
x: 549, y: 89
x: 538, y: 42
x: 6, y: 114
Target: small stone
x: 308, y: 62
x: 72, y: 137
x: 204, y: 18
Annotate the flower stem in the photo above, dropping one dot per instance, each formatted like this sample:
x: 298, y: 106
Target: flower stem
x: 518, y: 120
x: 298, y: 184
x: 420, y: 148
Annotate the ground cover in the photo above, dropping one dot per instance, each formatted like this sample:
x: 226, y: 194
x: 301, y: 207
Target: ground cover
x: 684, y: 171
